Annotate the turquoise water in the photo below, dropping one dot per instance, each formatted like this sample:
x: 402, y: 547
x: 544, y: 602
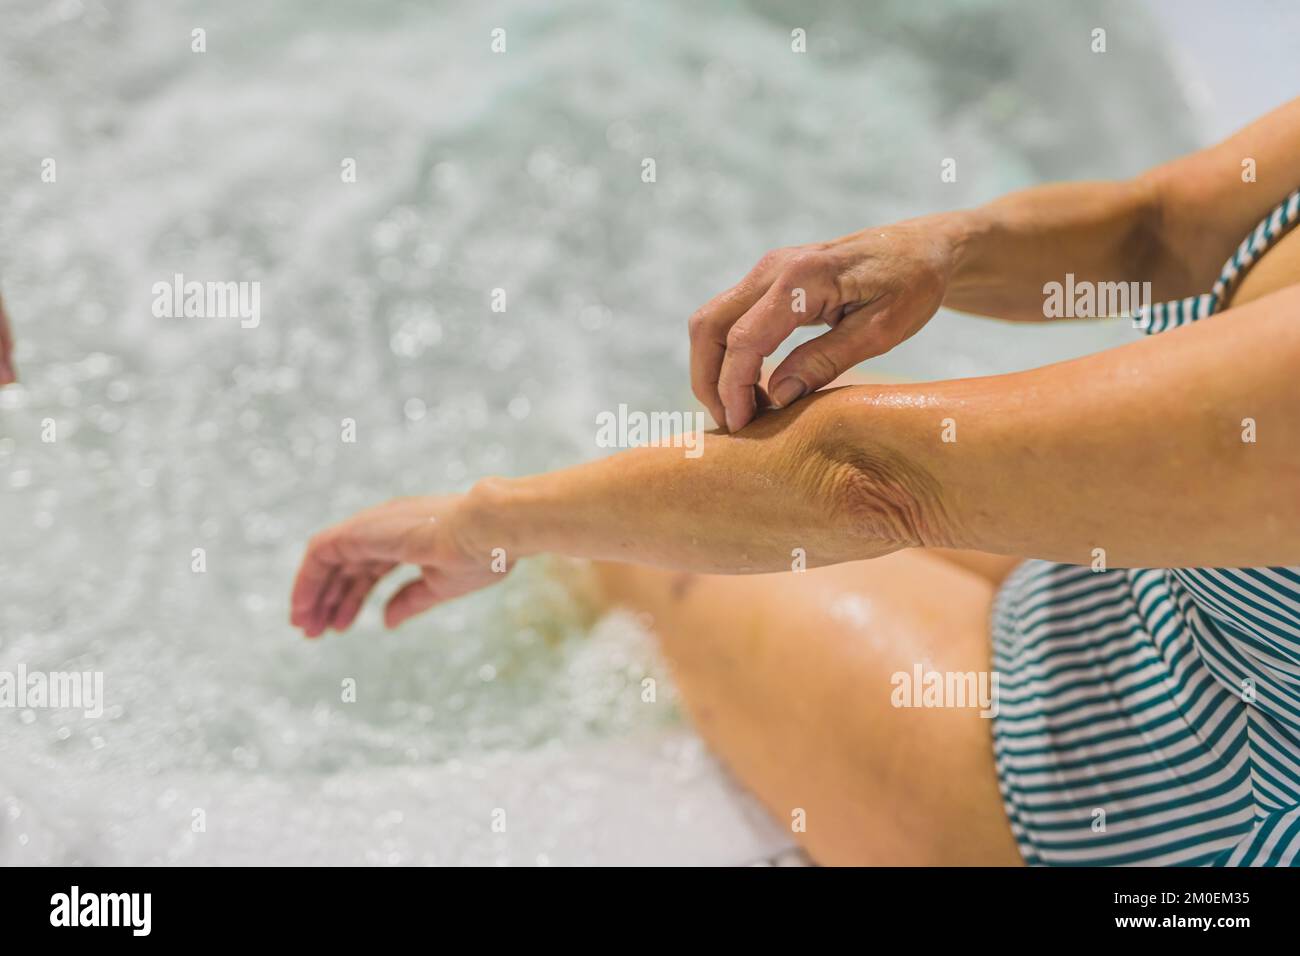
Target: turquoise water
x: 475, y: 171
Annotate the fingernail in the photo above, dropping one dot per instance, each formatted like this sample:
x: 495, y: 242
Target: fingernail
x: 788, y: 390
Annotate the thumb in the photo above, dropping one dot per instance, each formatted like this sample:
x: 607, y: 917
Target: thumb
x: 822, y: 360
x: 412, y: 599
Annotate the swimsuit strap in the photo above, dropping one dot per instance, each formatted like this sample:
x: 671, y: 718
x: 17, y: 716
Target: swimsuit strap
x: 1168, y: 315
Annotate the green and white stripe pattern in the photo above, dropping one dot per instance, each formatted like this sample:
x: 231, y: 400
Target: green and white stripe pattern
x: 1152, y: 716
x: 1167, y: 315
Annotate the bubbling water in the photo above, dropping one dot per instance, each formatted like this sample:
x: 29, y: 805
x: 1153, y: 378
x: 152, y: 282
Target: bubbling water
x: 179, y: 440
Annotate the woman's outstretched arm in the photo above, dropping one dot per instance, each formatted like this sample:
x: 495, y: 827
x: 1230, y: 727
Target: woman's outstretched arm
x: 1178, y: 450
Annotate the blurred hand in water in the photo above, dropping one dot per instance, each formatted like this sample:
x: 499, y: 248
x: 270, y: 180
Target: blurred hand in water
x: 345, y: 562
x: 7, y: 374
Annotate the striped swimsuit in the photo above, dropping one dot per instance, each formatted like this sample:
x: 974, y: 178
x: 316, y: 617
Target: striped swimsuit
x: 1152, y: 716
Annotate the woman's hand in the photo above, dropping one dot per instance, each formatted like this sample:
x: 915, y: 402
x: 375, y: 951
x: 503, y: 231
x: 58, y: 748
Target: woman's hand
x: 874, y: 289
x: 343, y: 563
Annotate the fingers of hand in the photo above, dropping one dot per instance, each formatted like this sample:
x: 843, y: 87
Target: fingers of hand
x: 412, y: 599
x: 315, y: 574
x: 354, y: 596
x: 379, y: 537
x: 711, y: 324
x: 332, y: 593
x: 818, y: 362
x: 754, y: 337
x: 332, y: 583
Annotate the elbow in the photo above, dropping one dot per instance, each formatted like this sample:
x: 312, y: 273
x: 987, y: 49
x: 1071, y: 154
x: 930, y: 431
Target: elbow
x: 874, y: 478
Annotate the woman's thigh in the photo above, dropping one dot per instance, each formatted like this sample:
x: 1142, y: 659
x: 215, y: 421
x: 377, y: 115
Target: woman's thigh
x: 789, y: 678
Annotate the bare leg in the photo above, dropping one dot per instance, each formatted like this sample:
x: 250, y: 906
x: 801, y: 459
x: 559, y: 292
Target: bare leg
x: 787, y: 676
x: 992, y: 567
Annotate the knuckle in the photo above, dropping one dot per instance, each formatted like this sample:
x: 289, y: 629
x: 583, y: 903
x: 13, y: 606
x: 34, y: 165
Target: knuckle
x: 742, y: 338
x: 703, y: 323
x: 803, y: 264
x: 695, y: 324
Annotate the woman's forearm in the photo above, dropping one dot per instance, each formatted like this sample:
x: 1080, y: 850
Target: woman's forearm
x: 1181, y: 450
x: 1006, y: 251
x: 743, y: 506
x: 1172, y: 226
